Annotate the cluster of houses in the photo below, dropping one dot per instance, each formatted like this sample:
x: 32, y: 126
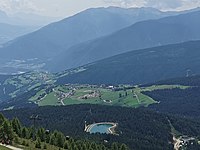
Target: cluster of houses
x: 185, y: 140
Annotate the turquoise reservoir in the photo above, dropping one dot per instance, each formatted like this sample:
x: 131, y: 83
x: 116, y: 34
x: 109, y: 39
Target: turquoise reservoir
x: 101, y: 128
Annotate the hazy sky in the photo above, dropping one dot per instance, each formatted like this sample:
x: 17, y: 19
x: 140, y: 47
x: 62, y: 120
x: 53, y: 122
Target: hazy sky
x: 65, y: 8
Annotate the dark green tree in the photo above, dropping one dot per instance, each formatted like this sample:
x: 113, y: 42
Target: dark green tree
x: 114, y: 146
x: 66, y: 145
x: 2, y: 119
x: 45, y: 146
x: 120, y: 95
x: 41, y: 134
x: 52, y: 139
x: 25, y: 133
x: 60, y: 139
x: 123, y: 147
x: 38, y: 143
x: 17, y: 127
x: 6, y: 133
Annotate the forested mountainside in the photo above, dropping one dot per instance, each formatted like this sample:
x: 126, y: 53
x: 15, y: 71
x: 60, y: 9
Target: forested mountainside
x: 190, y: 80
x: 139, y: 67
x: 145, y: 34
x: 183, y: 102
x: 135, y: 126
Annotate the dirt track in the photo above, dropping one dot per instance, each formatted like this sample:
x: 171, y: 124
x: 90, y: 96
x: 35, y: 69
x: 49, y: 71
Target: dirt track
x: 11, y: 147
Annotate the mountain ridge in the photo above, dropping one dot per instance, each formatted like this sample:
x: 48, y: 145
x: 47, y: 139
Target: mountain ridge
x: 172, y: 29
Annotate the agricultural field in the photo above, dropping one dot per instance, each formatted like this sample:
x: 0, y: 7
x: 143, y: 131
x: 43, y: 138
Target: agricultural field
x: 123, y: 95
x: 19, y: 84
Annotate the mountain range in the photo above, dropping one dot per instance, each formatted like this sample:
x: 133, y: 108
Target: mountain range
x: 46, y: 43
x: 82, y: 27
x: 145, y: 34
x: 19, y: 24
x: 95, y: 34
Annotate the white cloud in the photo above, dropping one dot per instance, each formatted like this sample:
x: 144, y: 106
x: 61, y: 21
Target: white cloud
x: 159, y: 4
x: 48, y: 7
x: 15, y: 6
x: 188, y: 4
x: 164, y: 5
x: 69, y: 7
x: 126, y: 3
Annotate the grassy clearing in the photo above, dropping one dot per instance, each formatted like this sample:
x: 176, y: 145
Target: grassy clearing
x: 4, y: 148
x: 174, y: 132
x: 33, y: 86
x: 50, y: 99
x: 62, y: 88
x: 30, y: 145
x: 160, y: 87
x: 34, y: 98
x: 9, y: 108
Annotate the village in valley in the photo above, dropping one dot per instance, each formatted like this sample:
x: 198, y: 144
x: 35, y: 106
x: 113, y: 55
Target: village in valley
x: 94, y: 94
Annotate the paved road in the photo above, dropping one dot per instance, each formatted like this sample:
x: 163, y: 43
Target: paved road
x: 11, y: 147
x: 137, y: 97
x: 62, y: 102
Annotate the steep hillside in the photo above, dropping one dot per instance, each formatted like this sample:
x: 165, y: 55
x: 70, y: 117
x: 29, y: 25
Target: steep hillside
x: 170, y: 30
x: 139, y: 67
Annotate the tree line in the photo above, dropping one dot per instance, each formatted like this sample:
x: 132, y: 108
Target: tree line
x: 183, y: 102
x: 187, y: 81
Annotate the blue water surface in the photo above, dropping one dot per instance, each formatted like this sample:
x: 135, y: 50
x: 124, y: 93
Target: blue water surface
x: 100, y: 128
